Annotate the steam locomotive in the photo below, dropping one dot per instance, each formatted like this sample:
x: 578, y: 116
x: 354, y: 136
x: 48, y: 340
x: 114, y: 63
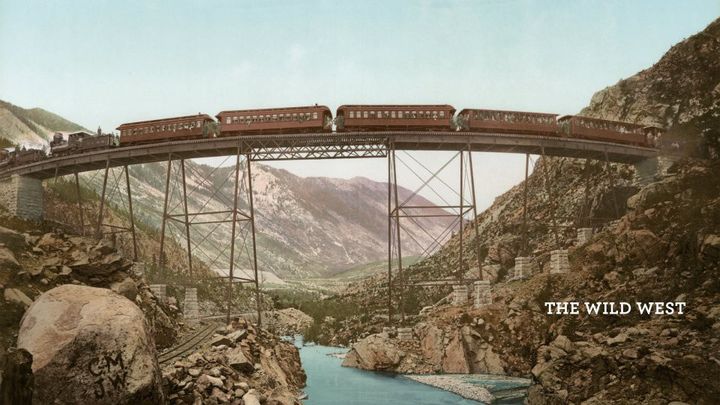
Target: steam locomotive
x: 348, y: 118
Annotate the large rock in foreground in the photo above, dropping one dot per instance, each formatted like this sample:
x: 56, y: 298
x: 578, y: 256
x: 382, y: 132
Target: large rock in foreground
x: 374, y: 353
x: 90, y: 345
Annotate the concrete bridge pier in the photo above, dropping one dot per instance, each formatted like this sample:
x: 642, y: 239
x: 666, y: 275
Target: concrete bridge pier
x: 584, y: 235
x: 191, y: 310
x: 22, y: 196
x: 460, y: 294
x: 483, y: 295
x: 522, y: 267
x: 559, y: 261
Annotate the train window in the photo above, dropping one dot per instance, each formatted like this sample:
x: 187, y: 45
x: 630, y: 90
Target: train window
x: 400, y: 114
x: 413, y: 114
x: 274, y: 117
x: 228, y: 120
x: 365, y: 114
x: 392, y: 114
x: 351, y: 114
x: 442, y: 114
x: 315, y: 115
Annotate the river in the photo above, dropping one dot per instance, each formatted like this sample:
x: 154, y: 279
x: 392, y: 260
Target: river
x: 330, y: 384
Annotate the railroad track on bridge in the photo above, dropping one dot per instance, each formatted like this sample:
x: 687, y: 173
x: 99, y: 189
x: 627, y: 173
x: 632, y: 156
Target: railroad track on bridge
x: 190, y: 343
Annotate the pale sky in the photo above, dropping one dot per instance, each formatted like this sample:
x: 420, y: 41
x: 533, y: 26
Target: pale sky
x: 108, y: 62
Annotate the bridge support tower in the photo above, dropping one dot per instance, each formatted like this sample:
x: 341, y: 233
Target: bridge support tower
x: 197, y: 226
x: 458, y: 205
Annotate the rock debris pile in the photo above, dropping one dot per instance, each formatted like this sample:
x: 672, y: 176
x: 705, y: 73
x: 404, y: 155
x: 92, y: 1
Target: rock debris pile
x: 242, y: 365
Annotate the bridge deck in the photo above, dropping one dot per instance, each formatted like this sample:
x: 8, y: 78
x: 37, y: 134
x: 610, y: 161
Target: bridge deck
x: 332, y: 146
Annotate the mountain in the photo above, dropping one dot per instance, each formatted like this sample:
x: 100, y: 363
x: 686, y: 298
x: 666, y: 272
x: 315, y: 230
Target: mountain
x: 31, y: 127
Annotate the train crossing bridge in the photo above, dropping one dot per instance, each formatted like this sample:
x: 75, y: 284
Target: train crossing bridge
x: 21, y: 186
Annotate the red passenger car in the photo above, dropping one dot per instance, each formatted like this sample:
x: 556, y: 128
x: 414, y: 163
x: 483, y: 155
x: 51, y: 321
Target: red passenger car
x: 394, y: 117
x: 577, y: 126
x: 286, y: 120
x: 514, y: 122
x: 167, y: 129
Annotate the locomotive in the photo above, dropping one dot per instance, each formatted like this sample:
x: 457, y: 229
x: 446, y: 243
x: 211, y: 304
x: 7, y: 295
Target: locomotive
x: 318, y: 119
x: 80, y: 141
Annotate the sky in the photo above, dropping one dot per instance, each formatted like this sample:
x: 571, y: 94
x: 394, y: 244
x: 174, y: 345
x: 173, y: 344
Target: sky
x: 102, y: 63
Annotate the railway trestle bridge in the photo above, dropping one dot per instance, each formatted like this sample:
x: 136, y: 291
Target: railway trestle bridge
x: 21, y: 189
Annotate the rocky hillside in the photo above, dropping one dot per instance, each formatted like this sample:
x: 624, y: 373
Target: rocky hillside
x: 31, y: 127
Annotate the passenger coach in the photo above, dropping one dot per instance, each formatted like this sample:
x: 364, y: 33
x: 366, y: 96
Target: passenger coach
x: 166, y: 129
x: 285, y: 120
x: 394, y: 117
x: 577, y: 126
x: 515, y: 122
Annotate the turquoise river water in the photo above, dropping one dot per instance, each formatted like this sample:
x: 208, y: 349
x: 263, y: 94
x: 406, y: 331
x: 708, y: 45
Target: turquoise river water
x: 330, y: 384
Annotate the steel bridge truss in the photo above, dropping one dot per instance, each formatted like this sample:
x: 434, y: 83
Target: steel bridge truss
x: 205, y: 225
x: 294, y: 148
x: 405, y: 213
x: 117, y: 191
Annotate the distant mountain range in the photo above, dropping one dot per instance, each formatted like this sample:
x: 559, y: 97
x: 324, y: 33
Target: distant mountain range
x: 31, y: 127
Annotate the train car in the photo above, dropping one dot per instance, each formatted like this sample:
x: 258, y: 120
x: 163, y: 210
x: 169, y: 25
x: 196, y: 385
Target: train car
x: 514, y: 122
x: 166, y: 129
x: 286, y: 120
x: 26, y: 156
x: 78, y: 142
x: 577, y: 126
x: 394, y: 117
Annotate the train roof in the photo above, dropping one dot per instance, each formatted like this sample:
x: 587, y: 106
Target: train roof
x: 306, y: 107
x: 448, y: 106
x: 184, y: 117
x: 510, y: 111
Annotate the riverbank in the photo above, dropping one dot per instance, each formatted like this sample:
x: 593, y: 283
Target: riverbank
x: 484, y: 388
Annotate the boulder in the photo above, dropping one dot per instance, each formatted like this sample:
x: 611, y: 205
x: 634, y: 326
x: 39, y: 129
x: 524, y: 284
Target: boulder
x: 455, y: 360
x: 251, y: 398
x: 236, y: 359
x: 432, y: 345
x: 49, y: 241
x: 487, y: 361
x: 12, y: 240
x: 8, y: 264
x: 127, y: 288
x: 374, y: 353
x: 90, y: 345
x: 16, y: 296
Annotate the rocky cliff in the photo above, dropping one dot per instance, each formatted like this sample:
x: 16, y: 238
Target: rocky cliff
x: 681, y: 92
